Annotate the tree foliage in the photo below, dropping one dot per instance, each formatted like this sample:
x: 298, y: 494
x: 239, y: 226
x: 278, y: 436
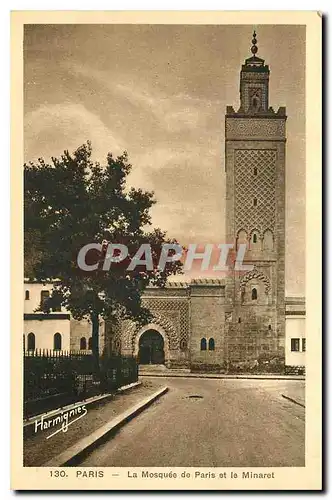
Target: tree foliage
x: 72, y: 202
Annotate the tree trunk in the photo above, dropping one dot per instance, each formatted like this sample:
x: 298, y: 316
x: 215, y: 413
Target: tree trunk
x: 95, y: 343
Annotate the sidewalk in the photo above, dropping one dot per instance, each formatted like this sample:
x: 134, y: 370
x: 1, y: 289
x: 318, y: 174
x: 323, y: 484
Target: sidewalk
x: 38, y: 449
x: 296, y: 394
x: 187, y: 374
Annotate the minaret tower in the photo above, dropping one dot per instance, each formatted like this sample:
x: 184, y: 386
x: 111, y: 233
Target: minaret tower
x: 255, y: 140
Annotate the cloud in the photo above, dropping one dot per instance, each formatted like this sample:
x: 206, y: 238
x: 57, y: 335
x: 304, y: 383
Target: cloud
x: 173, y: 113
x: 189, y: 189
x: 51, y: 129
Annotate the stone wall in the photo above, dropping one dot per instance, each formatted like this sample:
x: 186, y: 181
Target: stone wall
x: 207, y: 300
x: 183, y: 313
x: 83, y: 328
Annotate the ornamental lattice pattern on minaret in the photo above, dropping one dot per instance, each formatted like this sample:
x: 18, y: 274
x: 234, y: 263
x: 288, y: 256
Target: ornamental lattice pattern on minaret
x: 251, y: 185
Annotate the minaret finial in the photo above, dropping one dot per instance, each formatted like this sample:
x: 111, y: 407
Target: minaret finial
x: 254, y: 47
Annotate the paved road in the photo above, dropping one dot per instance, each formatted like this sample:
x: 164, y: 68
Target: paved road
x: 233, y: 423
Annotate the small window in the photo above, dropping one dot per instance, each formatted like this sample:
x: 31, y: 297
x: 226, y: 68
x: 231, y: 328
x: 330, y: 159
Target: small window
x: 254, y: 238
x: 295, y: 345
x: 31, y: 342
x: 27, y: 295
x: 255, y: 170
x: 90, y: 343
x: 44, y: 295
x: 203, y: 344
x: 83, y: 344
x: 57, y: 341
x: 303, y: 345
x: 56, y: 308
x: 239, y: 320
x: 211, y: 344
x: 254, y: 294
x: 255, y: 202
x: 270, y: 327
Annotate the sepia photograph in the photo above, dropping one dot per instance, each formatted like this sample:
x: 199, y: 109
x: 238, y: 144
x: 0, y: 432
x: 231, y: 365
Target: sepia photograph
x: 164, y: 244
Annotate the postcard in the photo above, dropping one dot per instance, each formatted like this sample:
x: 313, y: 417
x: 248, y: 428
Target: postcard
x: 166, y: 249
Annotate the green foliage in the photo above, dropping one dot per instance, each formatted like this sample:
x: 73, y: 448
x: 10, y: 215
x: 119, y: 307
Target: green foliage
x: 73, y: 202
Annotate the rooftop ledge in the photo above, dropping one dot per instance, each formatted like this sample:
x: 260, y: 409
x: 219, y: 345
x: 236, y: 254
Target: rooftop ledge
x: 193, y: 282
x: 270, y: 113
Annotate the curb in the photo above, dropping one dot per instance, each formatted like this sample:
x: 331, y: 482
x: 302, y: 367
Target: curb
x: 125, y: 388
x: 83, y: 447
x: 293, y: 400
x: 91, y: 402
x: 225, y: 377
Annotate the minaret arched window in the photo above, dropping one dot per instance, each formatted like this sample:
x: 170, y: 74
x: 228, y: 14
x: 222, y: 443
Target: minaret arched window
x: 241, y: 238
x: 90, y: 343
x: 268, y: 240
x: 203, y: 344
x: 83, y: 344
x: 254, y: 294
x: 255, y: 103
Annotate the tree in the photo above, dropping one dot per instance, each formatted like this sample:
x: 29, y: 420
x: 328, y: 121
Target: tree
x: 73, y: 202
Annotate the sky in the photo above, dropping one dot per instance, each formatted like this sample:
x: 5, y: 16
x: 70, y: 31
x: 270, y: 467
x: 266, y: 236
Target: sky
x: 160, y: 92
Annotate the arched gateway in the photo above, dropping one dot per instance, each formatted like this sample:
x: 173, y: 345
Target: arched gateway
x: 152, y: 345
x: 151, y: 348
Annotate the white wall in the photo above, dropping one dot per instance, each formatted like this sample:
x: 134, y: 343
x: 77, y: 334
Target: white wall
x: 34, y: 289
x: 44, y: 331
x: 44, y: 328
x: 295, y: 328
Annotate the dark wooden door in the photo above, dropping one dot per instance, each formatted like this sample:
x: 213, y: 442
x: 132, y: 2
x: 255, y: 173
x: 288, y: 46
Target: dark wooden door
x: 151, y: 348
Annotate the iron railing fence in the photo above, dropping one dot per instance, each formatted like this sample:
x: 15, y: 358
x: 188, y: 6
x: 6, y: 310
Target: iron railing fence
x: 53, y: 379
